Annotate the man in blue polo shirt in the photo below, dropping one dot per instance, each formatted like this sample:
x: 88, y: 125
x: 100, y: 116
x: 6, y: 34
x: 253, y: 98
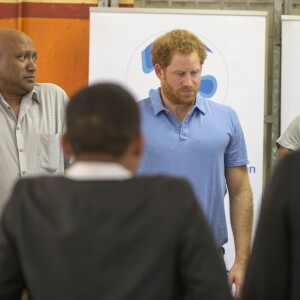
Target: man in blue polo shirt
x: 196, y: 138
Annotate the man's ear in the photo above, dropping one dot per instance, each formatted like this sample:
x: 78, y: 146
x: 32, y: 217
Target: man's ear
x: 159, y: 71
x: 66, y: 145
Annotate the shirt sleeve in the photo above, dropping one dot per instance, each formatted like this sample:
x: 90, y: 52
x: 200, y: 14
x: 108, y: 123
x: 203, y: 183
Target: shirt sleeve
x: 290, y: 139
x: 236, y: 152
x: 67, y: 160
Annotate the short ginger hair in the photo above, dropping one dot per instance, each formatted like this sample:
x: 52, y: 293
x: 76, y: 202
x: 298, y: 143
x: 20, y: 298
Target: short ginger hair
x: 176, y: 41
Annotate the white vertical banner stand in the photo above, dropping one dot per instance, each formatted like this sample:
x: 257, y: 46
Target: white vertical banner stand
x: 290, y: 66
x: 233, y: 73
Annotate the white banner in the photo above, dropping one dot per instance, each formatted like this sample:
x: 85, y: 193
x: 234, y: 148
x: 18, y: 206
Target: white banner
x: 233, y: 73
x: 290, y: 66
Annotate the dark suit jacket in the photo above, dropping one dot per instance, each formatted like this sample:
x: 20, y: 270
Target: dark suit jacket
x: 140, y: 238
x: 274, y: 267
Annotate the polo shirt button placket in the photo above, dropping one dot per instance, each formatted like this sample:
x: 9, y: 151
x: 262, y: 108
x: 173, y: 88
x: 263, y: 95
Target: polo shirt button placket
x: 183, y: 132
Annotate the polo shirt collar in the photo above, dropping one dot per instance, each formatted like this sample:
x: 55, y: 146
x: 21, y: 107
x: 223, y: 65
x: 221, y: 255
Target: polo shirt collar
x: 200, y: 104
x: 157, y: 103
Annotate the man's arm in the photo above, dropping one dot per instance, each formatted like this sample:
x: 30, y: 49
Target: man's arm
x: 241, y: 216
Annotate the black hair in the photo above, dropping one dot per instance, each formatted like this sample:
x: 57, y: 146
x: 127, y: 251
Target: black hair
x: 102, y: 118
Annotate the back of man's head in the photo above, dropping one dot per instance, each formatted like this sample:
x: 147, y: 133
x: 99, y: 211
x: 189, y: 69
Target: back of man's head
x: 102, y: 119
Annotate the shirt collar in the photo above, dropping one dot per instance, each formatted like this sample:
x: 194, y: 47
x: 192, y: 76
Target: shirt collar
x: 94, y: 170
x: 34, y: 96
x: 157, y: 103
x: 31, y: 95
x: 201, y: 104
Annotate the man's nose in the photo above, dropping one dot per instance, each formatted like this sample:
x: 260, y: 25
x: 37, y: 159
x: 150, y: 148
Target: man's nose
x: 31, y: 65
x: 188, y: 80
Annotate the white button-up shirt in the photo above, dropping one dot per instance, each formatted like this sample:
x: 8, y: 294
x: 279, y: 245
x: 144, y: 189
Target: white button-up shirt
x: 30, y: 144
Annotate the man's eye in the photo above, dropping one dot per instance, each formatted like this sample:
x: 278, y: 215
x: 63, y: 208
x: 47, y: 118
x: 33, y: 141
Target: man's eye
x: 34, y: 58
x: 22, y: 57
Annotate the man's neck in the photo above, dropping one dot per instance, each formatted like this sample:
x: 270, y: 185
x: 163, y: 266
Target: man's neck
x: 179, y: 110
x: 14, y: 101
x: 96, y: 157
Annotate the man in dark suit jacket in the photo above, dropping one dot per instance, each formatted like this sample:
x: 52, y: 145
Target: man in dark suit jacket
x: 274, y: 266
x: 100, y: 232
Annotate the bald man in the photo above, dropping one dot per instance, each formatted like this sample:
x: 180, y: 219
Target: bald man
x: 31, y: 115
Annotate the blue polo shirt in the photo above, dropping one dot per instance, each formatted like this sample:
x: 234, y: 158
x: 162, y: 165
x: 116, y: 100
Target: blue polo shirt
x: 209, y: 139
